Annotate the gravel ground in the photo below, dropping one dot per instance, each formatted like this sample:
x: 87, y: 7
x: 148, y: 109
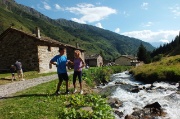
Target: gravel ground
x: 16, y: 86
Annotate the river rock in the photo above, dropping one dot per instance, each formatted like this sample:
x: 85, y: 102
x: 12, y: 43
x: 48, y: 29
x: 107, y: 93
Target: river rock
x: 114, y: 102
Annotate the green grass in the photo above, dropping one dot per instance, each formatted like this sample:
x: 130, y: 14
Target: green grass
x: 165, y: 70
x: 39, y: 103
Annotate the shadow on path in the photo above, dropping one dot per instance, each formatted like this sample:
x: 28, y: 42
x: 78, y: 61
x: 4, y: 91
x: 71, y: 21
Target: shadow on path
x: 31, y: 95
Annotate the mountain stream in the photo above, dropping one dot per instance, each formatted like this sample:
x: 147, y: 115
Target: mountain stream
x: 166, y: 94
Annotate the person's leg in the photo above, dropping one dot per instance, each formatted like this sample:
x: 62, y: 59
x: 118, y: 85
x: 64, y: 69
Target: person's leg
x: 21, y: 74
x: 66, y: 78
x: 18, y: 74
x: 80, y: 81
x: 74, y: 81
x: 12, y: 77
x: 59, y: 83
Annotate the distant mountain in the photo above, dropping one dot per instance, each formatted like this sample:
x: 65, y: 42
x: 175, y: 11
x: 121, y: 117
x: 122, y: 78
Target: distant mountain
x: 91, y: 38
x: 157, y: 44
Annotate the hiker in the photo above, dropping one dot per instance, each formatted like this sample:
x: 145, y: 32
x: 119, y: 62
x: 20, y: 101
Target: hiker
x: 13, y: 70
x: 61, y: 61
x: 78, y: 65
x: 19, y: 70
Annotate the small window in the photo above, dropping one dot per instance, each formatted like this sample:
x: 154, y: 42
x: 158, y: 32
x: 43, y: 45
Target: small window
x: 49, y: 48
x: 50, y: 66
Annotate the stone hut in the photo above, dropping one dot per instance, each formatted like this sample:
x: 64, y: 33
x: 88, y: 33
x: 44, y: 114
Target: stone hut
x: 33, y: 50
x: 127, y: 60
x: 94, y: 60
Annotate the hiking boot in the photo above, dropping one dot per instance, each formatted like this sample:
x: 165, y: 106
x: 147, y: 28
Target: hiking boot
x: 57, y: 93
x: 67, y: 92
x: 81, y: 92
x: 75, y: 91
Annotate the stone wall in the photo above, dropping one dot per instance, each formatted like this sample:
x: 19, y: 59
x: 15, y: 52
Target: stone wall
x: 99, y: 61
x: 45, y: 54
x: 123, y: 61
x: 16, y: 46
x: 34, y: 53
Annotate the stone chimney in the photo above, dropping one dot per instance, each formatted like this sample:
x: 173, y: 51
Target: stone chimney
x: 38, y: 32
x: 77, y: 45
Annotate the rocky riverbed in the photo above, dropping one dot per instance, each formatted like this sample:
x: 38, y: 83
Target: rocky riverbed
x: 134, y: 100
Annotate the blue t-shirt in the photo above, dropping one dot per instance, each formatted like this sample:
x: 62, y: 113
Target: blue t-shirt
x: 61, y: 63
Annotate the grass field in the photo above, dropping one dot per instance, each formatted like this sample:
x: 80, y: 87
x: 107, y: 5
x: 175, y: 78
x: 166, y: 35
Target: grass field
x: 39, y: 103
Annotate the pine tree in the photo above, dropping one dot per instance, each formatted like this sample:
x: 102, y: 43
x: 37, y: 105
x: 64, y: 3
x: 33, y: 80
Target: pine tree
x: 142, y: 54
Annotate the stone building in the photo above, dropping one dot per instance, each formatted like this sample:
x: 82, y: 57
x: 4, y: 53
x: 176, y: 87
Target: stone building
x: 33, y: 50
x: 126, y: 60
x: 94, y: 60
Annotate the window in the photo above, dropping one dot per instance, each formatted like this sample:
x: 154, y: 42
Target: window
x: 50, y: 66
x: 49, y: 48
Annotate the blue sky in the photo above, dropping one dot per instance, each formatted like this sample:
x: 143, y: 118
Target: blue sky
x: 147, y: 20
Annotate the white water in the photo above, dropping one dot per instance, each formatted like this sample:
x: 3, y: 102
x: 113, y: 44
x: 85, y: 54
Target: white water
x: 166, y: 96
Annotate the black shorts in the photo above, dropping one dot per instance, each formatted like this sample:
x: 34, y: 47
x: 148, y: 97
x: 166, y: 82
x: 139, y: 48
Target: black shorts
x: 77, y: 74
x: 63, y: 76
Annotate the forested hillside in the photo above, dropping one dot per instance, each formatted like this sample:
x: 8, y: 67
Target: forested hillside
x: 90, y: 38
x: 169, y: 49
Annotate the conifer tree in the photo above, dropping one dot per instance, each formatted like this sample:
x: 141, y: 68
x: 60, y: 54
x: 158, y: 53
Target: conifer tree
x: 142, y: 54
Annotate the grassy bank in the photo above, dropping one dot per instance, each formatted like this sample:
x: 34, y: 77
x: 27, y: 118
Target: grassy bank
x: 39, y: 102
x: 168, y: 69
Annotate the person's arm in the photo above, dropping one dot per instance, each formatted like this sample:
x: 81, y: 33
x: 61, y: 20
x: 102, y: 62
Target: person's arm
x: 83, y: 64
x: 53, y: 61
x: 69, y: 61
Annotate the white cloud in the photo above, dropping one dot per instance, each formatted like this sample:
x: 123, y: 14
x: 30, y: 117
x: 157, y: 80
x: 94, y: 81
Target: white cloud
x: 46, y: 6
x: 117, y: 30
x: 164, y: 41
x: 99, y: 25
x: 90, y: 13
x: 150, y: 36
x: 58, y: 7
x: 148, y: 24
x: 145, y: 6
x: 78, y: 20
x: 175, y: 10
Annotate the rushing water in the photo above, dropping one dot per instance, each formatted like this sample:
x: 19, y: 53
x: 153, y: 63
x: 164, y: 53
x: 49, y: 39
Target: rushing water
x: 164, y: 93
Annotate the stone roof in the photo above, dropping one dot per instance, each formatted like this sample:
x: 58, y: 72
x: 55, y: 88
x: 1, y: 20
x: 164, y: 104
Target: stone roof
x: 92, y: 56
x: 129, y: 57
x: 33, y: 36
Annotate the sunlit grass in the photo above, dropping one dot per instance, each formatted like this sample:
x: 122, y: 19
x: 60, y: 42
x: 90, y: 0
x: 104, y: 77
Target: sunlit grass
x: 39, y: 103
x: 166, y: 69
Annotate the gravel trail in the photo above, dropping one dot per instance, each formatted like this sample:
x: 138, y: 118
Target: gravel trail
x: 16, y: 86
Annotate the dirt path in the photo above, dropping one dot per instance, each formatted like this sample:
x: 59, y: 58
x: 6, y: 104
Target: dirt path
x: 10, y: 88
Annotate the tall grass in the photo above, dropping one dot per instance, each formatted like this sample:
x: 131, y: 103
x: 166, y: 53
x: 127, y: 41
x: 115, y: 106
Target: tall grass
x: 94, y: 76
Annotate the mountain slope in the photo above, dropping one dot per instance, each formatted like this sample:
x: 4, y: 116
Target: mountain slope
x: 90, y: 38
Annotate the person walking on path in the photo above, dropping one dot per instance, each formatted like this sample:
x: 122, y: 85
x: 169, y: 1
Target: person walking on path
x: 13, y: 70
x: 78, y: 65
x: 19, y: 70
x: 61, y: 61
